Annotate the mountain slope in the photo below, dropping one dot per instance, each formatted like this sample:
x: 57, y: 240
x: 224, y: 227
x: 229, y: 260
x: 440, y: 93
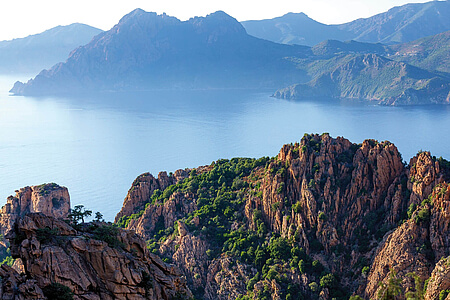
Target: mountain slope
x: 36, y: 52
x: 323, y: 219
x: 373, y: 78
x: 147, y: 51
x: 431, y: 53
x: 398, y: 25
x: 294, y: 28
x: 402, y: 24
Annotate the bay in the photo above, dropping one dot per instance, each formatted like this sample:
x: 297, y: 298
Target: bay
x: 96, y: 145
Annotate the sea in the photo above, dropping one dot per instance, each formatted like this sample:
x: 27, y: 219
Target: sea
x: 97, y: 144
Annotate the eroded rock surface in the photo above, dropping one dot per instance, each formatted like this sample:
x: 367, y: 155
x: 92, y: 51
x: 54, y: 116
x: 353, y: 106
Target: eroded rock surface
x: 49, y: 199
x: 96, y: 262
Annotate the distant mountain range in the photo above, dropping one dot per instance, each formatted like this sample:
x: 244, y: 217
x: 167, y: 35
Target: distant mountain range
x: 146, y: 51
x: 295, y: 28
x: 398, y: 25
x: 149, y: 51
x: 36, y: 52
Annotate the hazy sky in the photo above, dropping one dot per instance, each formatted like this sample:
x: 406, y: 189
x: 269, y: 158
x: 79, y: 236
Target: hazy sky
x: 19, y: 18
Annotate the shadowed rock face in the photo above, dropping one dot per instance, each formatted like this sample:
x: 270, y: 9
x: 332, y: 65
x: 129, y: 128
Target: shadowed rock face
x: 54, y: 252
x: 350, y: 199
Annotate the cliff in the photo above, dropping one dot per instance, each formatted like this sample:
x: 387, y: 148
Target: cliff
x: 94, y: 261
x: 49, y: 199
x: 324, y: 218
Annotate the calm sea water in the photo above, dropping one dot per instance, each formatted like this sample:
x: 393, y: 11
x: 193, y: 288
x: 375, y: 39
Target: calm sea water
x: 97, y: 145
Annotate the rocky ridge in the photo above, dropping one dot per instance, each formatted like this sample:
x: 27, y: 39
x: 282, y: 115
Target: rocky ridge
x: 94, y: 261
x: 349, y: 215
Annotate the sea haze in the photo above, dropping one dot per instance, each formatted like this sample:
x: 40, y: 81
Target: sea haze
x: 96, y: 145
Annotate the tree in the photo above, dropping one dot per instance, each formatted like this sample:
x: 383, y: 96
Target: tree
x: 98, y: 217
x: 392, y: 289
x: 57, y: 291
x: 279, y: 248
x: 328, y: 281
x: 419, y: 292
x: 79, y: 213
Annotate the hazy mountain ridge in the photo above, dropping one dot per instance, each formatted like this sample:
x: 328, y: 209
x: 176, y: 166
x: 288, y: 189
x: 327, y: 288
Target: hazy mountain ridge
x: 294, y: 28
x: 398, y: 25
x: 431, y: 53
x: 35, y: 52
x: 403, y: 23
x: 150, y: 51
x: 373, y: 78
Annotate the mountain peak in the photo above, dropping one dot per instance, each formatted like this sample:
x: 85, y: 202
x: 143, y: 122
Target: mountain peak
x: 296, y: 15
x: 218, y: 23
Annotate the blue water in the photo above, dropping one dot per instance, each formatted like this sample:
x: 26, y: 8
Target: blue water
x: 96, y: 145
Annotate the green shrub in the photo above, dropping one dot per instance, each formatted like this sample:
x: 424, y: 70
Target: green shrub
x: 411, y: 209
x: 328, y: 281
x: 45, y: 235
x: 108, y: 234
x: 272, y: 274
x: 365, y: 271
x: 9, y: 261
x: 280, y: 248
x: 57, y: 291
x: 443, y: 294
x: 297, y: 207
x: 314, y: 287
x: 275, y: 206
x: 251, y: 283
x: 302, y: 266
x: 317, y: 267
x: 322, y: 216
x: 423, y: 215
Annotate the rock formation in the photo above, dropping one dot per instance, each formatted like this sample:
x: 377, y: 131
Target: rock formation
x: 49, y: 199
x: 324, y: 219
x: 97, y: 261
x: 351, y: 213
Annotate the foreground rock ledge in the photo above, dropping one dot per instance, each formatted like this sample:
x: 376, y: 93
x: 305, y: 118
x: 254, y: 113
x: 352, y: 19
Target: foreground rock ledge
x: 54, y: 252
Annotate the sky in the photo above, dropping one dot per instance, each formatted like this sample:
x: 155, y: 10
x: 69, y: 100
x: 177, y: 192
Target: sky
x: 20, y: 18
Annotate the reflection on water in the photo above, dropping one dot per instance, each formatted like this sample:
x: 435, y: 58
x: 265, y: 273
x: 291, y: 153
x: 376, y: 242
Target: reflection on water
x: 97, y: 144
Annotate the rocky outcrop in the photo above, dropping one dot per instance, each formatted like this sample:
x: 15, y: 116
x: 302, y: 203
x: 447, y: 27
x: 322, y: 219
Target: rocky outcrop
x: 424, y: 174
x: 96, y: 262
x: 401, y: 253
x: 333, y: 178
x: 49, y: 199
x: 439, y: 280
x: 419, y: 243
x: 144, y: 186
x: 327, y: 196
x: 226, y: 279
